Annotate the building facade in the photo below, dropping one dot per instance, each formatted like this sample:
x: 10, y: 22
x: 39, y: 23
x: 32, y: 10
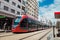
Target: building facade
x: 57, y: 16
x: 11, y: 8
x: 32, y: 8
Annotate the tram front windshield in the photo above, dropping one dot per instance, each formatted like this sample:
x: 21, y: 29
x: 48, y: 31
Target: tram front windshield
x: 16, y: 22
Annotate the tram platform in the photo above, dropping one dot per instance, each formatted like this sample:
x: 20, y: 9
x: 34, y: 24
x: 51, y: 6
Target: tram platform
x: 56, y: 35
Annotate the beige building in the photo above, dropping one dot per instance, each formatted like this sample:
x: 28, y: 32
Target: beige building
x: 32, y: 8
x: 57, y: 16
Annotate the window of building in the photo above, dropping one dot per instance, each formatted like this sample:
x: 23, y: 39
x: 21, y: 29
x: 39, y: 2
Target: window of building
x: 12, y: 10
x: 13, y: 3
x: 32, y: 14
x: 18, y: 13
x: 7, y: 0
x: 24, y: 2
x: 6, y: 8
x: 23, y: 8
x: 19, y: 0
x: 18, y: 6
x: 30, y: 6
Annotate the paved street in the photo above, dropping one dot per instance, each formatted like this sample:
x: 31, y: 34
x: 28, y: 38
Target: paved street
x: 57, y: 38
x: 25, y: 36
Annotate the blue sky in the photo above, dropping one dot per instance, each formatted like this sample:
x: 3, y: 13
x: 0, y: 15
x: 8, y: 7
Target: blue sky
x: 46, y: 2
x: 48, y: 7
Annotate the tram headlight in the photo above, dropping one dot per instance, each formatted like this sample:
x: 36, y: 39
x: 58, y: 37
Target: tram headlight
x: 14, y: 26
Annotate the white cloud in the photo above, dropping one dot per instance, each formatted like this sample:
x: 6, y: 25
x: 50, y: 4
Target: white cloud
x: 39, y: 18
x: 49, y: 11
x: 40, y: 0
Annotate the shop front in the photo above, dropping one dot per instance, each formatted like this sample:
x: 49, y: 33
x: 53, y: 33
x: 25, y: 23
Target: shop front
x: 7, y: 20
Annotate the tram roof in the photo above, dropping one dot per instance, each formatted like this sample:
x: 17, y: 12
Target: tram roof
x: 28, y: 16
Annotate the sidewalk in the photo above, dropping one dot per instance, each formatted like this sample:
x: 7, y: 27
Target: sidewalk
x: 25, y: 36
x: 56, y: 38
x: 1, y: 31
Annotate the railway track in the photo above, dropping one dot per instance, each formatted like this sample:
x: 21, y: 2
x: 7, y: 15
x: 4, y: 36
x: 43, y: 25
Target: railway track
x: 36, y: 34
x: 25, y: 37
x: 6, y: 34
x: 17, y: 34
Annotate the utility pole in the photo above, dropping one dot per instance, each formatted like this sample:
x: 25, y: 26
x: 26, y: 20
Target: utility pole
x: 53, y: 30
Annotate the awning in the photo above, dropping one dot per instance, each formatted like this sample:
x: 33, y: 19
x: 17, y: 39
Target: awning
x: 2, y: 16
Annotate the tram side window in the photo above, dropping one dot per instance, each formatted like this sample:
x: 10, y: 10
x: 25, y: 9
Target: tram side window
x: 33, y: 23
x: 29, y: 22
x: 24, y: 23
x: 36, y: 24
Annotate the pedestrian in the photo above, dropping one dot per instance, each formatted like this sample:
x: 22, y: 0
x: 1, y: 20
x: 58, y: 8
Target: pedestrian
x: 0, y: 24
x: 5, y: 28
